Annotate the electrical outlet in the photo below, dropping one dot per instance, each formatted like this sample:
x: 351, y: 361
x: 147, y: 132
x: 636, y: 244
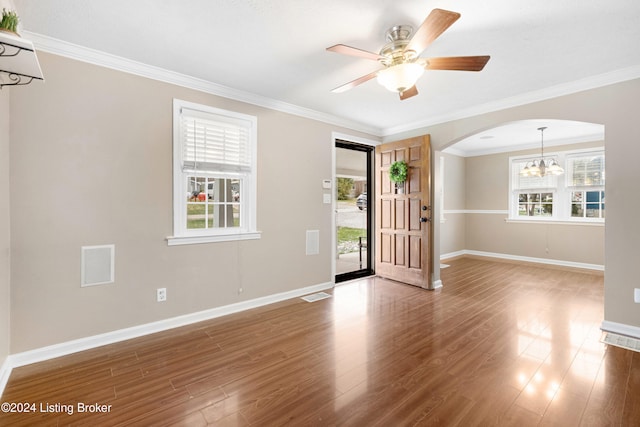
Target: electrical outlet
x: 161, y: 294
x: 636, y: 295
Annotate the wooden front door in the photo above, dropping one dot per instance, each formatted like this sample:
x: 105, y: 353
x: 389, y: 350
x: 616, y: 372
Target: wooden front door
x: 403, y: 216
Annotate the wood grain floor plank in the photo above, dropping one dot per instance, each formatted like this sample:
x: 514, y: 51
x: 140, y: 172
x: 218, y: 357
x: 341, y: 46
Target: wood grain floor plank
x: 632, y: 397
x: 502, y: 343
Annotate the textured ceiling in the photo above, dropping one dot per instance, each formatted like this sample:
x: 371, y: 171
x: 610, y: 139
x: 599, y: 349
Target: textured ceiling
x: 276, y: 49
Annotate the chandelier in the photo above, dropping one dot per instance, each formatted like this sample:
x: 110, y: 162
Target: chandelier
x: 542, y: 166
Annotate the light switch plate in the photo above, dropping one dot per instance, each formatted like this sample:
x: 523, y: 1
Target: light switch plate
x: 326, y: 198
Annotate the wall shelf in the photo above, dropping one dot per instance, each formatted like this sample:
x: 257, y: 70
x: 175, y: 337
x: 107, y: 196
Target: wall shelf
x: 18, y: 61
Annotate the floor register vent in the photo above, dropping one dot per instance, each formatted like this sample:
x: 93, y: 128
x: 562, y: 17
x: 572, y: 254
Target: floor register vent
x: 622, y: 341
x: 316, y: 297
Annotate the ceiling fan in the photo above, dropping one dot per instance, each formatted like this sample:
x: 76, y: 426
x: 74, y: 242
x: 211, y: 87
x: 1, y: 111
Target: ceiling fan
x: 400, y: 56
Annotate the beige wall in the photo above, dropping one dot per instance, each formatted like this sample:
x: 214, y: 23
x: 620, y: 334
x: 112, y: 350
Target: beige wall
x: 4, y: 225
x: 453, y: 234
x: 557, y: 242
x: 91, y: 163
x: 482, y: 183
x: 616, y: 107
x: 487, y: 181
x: 455, y: 196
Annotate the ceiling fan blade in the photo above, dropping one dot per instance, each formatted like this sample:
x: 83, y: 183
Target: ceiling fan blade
x: 412, y: 91
x: 354, y: 51
x: 434, y: 25
x: 354, y: 83
x: 458, y: 63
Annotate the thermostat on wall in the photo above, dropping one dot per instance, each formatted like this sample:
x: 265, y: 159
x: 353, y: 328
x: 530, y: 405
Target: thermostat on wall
x: 326, y: 183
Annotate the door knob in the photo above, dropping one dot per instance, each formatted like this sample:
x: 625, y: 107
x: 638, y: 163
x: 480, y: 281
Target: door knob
x: 423, y: 218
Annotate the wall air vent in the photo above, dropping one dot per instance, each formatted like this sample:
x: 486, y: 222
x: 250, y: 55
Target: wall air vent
x: 97, y: 265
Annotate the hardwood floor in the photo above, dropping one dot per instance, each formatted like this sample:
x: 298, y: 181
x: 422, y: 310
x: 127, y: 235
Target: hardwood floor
x: 501, y: 344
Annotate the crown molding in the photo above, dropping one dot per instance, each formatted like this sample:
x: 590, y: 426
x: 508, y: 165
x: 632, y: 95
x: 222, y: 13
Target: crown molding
x: 107, y: 60
x: 96, y: 57
x: 587, y: 83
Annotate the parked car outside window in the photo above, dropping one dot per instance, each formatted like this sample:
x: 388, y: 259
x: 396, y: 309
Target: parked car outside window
x: 361, y: 201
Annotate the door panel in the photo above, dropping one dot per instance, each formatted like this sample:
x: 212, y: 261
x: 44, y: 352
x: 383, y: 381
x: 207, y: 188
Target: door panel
x: 414, y: 180
x: 414, y: 214
x: 403, y: 239
x: 399, y: 214
x: 385, y: 248
x: 415, y: 252
x: 399, y: 261
x: 386, y: 213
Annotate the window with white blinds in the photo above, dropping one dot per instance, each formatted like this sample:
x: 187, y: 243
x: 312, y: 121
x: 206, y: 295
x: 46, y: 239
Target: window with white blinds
x: 214, y: 174
x: 585, y: 179
x: 577, y: 195
x: 530, y: 182
x: 218, y: 144
x: 586, y: 170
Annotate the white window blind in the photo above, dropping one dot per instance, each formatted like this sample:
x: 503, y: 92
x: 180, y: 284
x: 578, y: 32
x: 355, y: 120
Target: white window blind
x: 586, y: 170
x: 221, y: 145
x: 531, y: 182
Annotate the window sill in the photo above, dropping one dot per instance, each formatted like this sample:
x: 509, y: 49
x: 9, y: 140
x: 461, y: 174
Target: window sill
x: 195, y: 240
x: 554, y: 221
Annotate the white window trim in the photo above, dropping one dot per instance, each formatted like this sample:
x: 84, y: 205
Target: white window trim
x: 442, y: 217
x: 560, y: 204
x: 597, y: 222
x: 182, y: 236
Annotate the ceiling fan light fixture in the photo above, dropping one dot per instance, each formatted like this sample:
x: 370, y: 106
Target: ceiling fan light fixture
x: 400, y: 77
x: 401, y: 55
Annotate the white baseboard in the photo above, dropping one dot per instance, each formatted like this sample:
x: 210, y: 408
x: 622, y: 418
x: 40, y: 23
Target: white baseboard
x: 5, y: 372
x: 621, y: 329
x: 65, y: 348
x: 453, y: 254
x: 558, y: 262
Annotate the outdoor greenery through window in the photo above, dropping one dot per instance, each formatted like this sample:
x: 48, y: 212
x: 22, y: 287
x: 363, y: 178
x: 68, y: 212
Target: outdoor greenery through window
x: 349, y: 237
x: 214, y: 173
x: 535, y: 204
x: 587, y: 204
x: 212, y: 202
x: 577, y: 195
